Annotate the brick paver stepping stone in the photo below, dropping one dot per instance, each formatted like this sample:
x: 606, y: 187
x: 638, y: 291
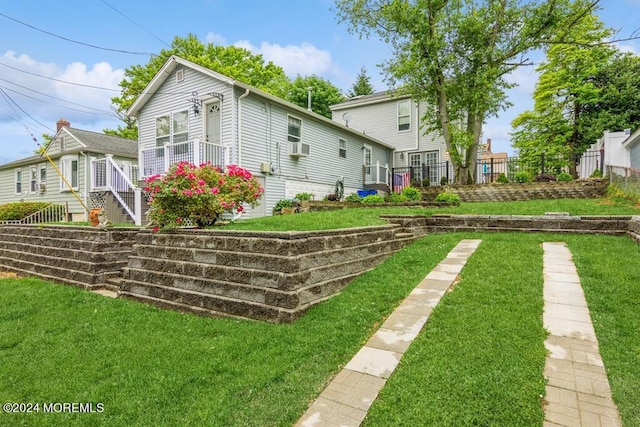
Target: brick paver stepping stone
x: 577, y: 392
x: 349, y: 396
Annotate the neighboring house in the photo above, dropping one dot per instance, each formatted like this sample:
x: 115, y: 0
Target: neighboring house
x: 78, y: 175
x: 396, y: 119
x: 190, y: 113
x: 612, y: 150
x: 491, y: 164
x: 631, y: 146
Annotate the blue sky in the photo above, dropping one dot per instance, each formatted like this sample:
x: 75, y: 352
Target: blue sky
x: 304, y: 37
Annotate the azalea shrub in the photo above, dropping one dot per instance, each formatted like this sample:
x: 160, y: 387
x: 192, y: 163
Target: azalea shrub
x: 199, y: 194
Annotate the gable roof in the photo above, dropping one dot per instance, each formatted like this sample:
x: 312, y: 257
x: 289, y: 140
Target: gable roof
x: 101, y: 143
x: 91, y: 142
x: 374, y: 98
x: 173, y: 61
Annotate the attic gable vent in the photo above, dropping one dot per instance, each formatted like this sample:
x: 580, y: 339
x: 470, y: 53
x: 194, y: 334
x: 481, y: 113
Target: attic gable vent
x: 179, y: 75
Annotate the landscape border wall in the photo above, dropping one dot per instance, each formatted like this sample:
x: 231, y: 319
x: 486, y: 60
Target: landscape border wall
x: 260, y: 275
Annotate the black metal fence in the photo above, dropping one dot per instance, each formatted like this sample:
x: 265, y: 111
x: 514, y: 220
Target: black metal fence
x: 490, y: 169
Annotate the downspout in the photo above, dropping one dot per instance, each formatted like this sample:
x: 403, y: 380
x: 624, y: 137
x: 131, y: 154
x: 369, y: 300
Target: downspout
x: 240, y: 126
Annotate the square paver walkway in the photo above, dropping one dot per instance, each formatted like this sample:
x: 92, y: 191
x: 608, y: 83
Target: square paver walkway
x: 349, y: 396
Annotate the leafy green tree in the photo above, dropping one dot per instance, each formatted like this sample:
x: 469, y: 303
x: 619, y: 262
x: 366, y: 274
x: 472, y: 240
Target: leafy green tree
x: 565, y: 88
x: 455, y: 55
x: 362, y: 85
x: 232, y: 61
x: 618, y: 106
x: 323, y: 94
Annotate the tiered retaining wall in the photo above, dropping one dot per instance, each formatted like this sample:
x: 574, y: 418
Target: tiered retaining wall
x: 579, y: 189
x: 80, y: 256
x: 259, y: 275
x: 551, y: 222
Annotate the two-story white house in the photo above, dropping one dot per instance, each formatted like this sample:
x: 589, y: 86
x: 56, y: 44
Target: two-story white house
x: 190, y: 113
x: 396, y: 119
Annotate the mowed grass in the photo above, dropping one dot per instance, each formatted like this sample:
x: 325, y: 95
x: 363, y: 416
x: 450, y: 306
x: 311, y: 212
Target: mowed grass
x: 479, y: 360
x: 358, y: 217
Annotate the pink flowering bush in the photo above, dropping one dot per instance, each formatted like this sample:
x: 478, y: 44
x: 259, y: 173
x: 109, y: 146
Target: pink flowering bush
x: 199, y: 194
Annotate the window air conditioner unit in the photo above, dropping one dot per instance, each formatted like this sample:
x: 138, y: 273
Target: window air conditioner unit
x: 43, y: 187
x: 298, y: 149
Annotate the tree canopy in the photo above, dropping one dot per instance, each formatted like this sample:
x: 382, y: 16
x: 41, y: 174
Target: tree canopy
x: 456, y: 55
x: 565, y: 89
x: 323, y: 94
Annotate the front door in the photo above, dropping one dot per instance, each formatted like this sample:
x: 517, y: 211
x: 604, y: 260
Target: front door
x: 213, y: 151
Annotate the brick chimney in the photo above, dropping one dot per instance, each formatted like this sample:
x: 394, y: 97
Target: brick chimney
x: 62, y: 123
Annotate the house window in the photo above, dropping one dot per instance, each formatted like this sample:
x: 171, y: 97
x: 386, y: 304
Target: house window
x: 18, y: 181
x: 43, y: 178
x: 404, y: 115
x: 33, y: 179
x: 69, y: 170
x: 173, y: 129
x: 294, y: 130
x: 342, y: 151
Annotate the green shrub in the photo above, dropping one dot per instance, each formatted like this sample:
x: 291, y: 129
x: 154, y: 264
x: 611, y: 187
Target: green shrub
x: 304, y: 196
x: 444, y: 181
x: 502, y: 179
x: 426, y: 182
x: 353, y: 198
x: 412, y: 193
x: 523, y: 177
x: 596, y: 174
x: 396, y: 198
x: 416, y: 182
x: 448, y: 197
x: 372, y: 199
x: 19, y: 210
x: 564, y: 176
x: 284, y: 203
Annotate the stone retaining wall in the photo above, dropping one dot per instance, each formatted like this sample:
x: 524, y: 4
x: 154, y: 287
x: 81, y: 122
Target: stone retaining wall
x: 634, y: 228
x: 80, y: 256
x: 552, y: 222
x: 579, y: 189
x: 260, y: 275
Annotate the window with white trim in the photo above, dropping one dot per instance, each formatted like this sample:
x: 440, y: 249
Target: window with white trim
x: 342, y: 151
x: 33, y: 179
x: 18, y: 181
x: 294, y: 129
x: 42, y: 187
x: 173, y: 129
x: 404, y: 115
x: 69, y: 170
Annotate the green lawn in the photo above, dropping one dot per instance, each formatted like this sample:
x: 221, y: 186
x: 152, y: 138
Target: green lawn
x: 371, y: 215
x: 479, y: 360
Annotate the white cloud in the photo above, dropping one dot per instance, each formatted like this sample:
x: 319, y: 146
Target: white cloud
x: 216, y: 39
x: 304, y: 59
x: 38, y: 96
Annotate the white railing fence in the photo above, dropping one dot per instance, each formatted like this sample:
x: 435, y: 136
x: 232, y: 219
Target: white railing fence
x: 156, y: 161
x: 51, y: 213
x: 107, y: 175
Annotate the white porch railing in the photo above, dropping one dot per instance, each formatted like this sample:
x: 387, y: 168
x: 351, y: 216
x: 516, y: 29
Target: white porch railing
x: 106, y: 175
x: 377, y: 174
x: 156, y: 161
